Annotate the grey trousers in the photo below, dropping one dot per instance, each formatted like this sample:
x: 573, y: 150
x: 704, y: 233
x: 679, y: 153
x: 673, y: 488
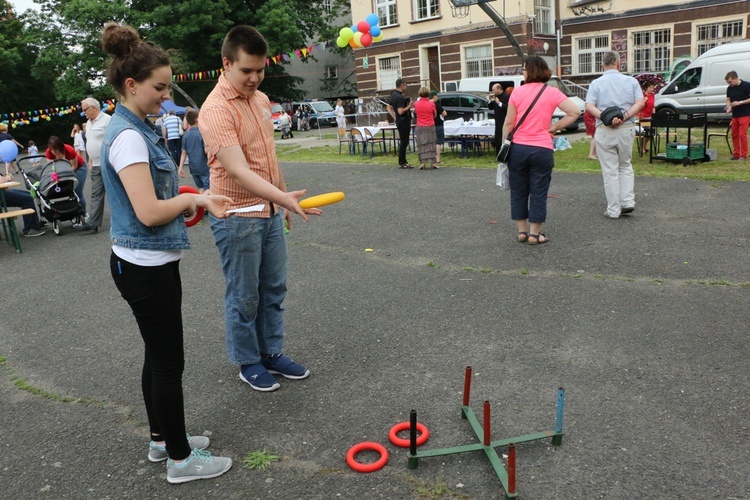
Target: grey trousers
x: 96, y: 202
x: 614, y: 146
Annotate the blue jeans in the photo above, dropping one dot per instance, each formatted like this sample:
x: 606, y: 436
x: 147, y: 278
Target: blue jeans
x: 21, y: 198
x: 530, y: 169
x: 254, y: 260
x: 81, y: 174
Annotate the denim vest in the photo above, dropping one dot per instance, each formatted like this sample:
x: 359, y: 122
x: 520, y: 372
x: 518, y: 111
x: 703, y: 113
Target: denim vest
x: 126, y: 230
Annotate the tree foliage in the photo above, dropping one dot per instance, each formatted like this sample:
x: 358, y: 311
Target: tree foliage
x: 67, y: 34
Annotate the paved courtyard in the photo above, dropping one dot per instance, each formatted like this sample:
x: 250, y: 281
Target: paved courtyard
x: 643, y: 321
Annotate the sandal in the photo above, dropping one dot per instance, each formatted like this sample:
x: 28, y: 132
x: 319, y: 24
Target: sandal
x: 523, y: 236
x: 421, y: 167
x: 434, y: 166
x: 536, y: 239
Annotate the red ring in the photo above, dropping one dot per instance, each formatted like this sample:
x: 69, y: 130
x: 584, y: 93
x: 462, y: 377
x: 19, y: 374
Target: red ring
x: 403, y: 426
x: 367, y: 445
x: 198, y: 215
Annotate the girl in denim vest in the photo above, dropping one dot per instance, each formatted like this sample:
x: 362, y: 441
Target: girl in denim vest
x: 148, y: 237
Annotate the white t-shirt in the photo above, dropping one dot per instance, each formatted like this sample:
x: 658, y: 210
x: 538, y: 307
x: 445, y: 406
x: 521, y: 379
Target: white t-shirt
x: 129, y: 148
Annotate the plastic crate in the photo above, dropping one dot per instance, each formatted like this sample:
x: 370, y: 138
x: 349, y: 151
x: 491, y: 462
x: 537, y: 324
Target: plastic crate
x: 677, y: 151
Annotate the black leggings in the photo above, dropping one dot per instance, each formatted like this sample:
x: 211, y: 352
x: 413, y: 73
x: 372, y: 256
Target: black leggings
x: 155, y: 296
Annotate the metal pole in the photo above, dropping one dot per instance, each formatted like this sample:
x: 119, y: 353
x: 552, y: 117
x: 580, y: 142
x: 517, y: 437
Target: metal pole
x: 557, y: 440
x: 467, y: 389
x: 511, y: 468
x: 498, y: 19
x: 413, y: 432
x: 487, y: 423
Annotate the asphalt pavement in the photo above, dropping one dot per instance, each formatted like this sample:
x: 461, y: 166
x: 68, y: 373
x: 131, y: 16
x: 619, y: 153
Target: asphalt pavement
x: 392, y: 293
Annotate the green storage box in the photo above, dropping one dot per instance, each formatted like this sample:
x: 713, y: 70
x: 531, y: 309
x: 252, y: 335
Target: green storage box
x: 677, y: 151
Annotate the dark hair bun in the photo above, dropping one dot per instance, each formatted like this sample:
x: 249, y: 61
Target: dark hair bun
x: 118, y: 41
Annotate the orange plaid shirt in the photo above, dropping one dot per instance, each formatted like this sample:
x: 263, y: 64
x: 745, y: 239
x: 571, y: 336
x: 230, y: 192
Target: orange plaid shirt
x: 228, y: 118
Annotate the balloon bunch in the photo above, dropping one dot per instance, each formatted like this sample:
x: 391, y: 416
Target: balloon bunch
x: 362, y: 34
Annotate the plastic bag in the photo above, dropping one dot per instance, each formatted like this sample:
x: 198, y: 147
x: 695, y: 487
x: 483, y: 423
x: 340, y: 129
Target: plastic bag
x: 562, y: 143
x: 503, y: 177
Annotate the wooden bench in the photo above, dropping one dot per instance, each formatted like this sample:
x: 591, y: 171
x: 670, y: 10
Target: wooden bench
x: 11, y: 233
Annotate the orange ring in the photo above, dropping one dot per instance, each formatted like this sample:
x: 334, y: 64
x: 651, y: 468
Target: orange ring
x: 198, y: 215
x: 367, y: 445
x: 403, y: 426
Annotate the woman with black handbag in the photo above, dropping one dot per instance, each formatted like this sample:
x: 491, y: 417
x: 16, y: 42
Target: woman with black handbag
x: 531, y: 159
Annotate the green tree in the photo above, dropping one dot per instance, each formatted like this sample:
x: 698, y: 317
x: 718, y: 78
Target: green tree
x: 67, y: 33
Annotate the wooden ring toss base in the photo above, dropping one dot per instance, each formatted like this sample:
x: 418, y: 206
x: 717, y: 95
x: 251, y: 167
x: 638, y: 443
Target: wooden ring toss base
x: 321, y: 200
x: 367, y: 445
x: 198, y: 215
x: 405, y: 426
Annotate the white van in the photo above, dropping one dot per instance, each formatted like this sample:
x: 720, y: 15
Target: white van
x: 483, y: 86
x: 701, y: 88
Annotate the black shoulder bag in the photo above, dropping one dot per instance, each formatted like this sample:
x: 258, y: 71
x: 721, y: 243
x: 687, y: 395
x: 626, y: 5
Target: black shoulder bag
x: 502, y: 155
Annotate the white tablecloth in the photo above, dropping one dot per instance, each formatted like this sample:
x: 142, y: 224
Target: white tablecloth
x: 374, y: 130
x: 460, y: 127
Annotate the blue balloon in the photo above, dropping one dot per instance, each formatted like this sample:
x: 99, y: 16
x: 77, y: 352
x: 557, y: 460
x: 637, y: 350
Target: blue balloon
x: 354, y: 28
x: 8, y: 151
x: 372, y: 20
x: 375, y: 31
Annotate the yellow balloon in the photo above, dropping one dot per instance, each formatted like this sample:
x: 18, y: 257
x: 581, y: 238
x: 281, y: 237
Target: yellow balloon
x: 346, y: 33
x: 358, y: 39
x: 378, y: 38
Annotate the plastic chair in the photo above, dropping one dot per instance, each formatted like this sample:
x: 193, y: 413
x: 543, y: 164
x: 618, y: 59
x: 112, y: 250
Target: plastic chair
x: 357, y: 140
x: 726, y: 135
x: 371, y: 140
x: 344, y: 137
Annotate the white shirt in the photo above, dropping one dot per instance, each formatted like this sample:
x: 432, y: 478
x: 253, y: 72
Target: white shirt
x: 94, y: 136
x: 129, y: 148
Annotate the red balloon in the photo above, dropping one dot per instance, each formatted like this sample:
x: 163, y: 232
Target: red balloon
x: 363, y: 27
x: 366, y: 40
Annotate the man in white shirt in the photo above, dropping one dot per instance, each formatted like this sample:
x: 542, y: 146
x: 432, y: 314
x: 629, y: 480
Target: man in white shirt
x: 614, y: 142
x: 95, y: 127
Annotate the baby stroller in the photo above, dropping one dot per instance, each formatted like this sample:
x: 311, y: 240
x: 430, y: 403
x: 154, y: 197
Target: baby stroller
x: 286, y: 131
x: 52, y: 185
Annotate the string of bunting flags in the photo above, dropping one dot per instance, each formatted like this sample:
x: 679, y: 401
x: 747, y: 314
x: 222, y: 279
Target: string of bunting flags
x: 277, y: 59
x: 21, y: 118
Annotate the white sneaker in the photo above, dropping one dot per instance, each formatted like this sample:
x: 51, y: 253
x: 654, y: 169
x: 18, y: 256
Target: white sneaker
x: 199, y: 465
x: 158, y: 452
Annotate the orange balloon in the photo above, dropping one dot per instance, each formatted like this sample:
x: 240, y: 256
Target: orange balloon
x: 353, y: 44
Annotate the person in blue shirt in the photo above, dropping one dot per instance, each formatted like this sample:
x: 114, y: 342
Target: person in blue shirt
x: 194, y: 149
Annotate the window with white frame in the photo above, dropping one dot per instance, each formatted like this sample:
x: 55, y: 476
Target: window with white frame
x: 386, y: 10
x: 426, y: 9
x: 478, y: 60
x: 327, y: 5
x: 332, y: 72
x: 652, y: 51
x: 589, y: 53
x: 711, y: 35
x: 544, y: 19
x: 389, y: 70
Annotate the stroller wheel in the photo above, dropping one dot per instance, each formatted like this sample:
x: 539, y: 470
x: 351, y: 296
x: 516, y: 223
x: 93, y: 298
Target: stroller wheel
x: 56, y: 227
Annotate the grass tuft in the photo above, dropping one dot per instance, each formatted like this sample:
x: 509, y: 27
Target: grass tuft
x: 259, y: 460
